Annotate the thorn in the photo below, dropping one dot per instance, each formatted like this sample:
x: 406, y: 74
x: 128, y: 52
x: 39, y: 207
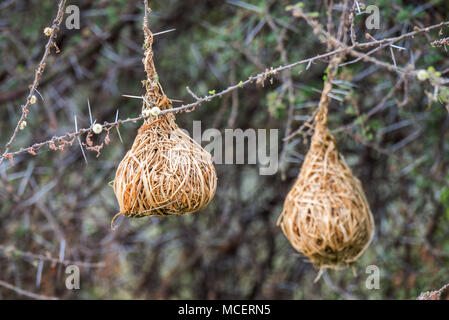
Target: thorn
x: 62, y: 250
x: 392, y: 56
x: 308, y: 65
x: 340, y: 91
x: 129, y: 96
x: 146, y: 102
x: 90, y: 112
x: 39, y: 273
x: 333, y: 96
x: 293, y: 160
x: 358, y: 7
x: 118, y: 131
x: 302, y: 118
x: 368, y: 36
x: 39, y: 94
x: 397, y: 47
x: 192, y: 93
x: 79, y: 141
x: 162, y: 32
x: 245, y: 5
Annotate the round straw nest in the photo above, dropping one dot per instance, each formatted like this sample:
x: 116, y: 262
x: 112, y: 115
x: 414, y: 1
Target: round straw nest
x: 164, y: 173
x: 326, y: 215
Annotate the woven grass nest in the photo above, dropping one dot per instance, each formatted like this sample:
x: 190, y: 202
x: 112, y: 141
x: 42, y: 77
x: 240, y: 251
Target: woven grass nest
x: 165, y: 172
x: 326, y: 215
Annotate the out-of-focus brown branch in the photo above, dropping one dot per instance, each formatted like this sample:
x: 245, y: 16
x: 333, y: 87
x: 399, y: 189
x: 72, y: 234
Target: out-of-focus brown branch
x: 13, y: 251
x: 25, y: 293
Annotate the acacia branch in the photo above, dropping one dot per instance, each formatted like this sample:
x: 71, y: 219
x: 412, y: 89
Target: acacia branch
x: 37, y: 76
x: 259, y: 78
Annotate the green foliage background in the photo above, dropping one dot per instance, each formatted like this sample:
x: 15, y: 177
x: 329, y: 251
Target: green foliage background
x: 233, y: 248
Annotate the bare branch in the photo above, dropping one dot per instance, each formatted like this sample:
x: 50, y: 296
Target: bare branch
x: 25, y: 293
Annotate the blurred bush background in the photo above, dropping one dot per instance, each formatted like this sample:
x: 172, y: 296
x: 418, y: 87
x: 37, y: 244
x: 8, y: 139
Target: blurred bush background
x: 55, y: 207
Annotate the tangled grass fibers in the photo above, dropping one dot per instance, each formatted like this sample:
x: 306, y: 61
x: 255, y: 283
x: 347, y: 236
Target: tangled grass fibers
x: 326, y: 215
x: 165, y: 172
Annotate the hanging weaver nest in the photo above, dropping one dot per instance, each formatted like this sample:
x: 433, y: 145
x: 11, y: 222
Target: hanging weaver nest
x: 326, y: 215
x: 165, y: 172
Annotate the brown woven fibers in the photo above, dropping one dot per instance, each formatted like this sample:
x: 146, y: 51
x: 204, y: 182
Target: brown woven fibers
x: 326, y: 215
x: 165, y: 172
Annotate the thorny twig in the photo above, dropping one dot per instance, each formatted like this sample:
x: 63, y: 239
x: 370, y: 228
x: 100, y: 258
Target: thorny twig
x: 259, y: 78
x: 37, y: 76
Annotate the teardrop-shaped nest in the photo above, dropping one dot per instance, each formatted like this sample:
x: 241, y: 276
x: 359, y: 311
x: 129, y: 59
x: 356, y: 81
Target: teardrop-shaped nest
x: 164, y: 173
x: 326, y: 215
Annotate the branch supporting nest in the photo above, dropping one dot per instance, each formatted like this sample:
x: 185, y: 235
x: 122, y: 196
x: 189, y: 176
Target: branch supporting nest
x: 165, y: 172
x: 33, y: 149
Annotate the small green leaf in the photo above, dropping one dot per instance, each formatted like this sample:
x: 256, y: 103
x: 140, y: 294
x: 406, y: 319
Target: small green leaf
x: 313, y: 14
